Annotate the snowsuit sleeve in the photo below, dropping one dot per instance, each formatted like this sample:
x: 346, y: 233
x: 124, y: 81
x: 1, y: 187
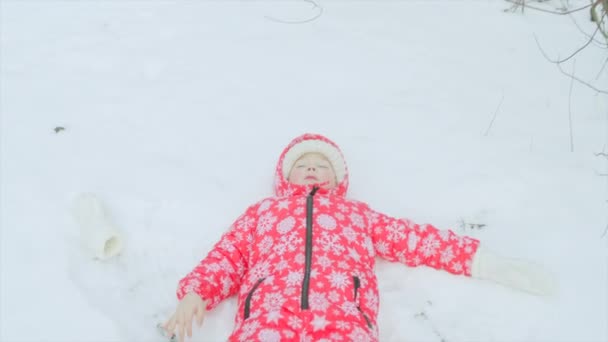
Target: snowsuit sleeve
x: 421, y: 244
x: 220, y: 273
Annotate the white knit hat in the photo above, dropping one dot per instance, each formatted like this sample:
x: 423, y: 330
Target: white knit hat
x: 331, y: 152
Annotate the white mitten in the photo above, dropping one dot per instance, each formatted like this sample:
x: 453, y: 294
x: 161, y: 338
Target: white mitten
x: 514, y: 273
x: 99, y: 234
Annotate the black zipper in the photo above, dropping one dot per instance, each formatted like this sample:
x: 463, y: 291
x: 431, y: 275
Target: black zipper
x: 248, y: 299
x: 357, y: 286
x: 308, y: 249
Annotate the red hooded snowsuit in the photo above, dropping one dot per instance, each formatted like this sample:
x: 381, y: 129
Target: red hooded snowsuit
x: 302, y: 263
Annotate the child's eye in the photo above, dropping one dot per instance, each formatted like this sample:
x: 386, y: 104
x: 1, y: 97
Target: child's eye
x: 300, y: 166
x: 322, y: 166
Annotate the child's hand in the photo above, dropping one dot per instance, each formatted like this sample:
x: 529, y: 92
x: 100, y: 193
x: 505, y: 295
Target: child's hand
x: 514, y: 273
x: 190, y: 306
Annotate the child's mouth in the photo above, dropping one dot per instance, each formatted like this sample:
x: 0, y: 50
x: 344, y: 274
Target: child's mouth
x: 311, y: 178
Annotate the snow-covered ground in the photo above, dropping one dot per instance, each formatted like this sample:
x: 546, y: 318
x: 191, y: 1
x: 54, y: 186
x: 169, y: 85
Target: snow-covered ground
x: 175, y: 113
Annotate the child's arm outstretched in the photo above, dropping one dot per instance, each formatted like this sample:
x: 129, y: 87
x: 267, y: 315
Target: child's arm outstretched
x: 216, y: 277
x: 422, y: 244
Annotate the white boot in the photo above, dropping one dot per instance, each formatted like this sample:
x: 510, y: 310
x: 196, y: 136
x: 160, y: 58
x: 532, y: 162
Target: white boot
x: 100, y: 236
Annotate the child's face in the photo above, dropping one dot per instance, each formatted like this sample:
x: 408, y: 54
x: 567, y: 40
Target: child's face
x: 312, y: 168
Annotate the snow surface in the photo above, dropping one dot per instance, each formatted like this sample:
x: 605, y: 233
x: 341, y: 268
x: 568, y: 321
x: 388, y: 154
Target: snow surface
x: 175, y: 113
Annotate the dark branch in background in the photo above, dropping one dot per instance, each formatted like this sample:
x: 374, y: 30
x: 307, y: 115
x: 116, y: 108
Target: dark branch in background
x: 605, y: 92
x: 572, y: 54
x: 522, y: 3
x: 596, y: 41
x: 558, y: 63
x: 314, y: 4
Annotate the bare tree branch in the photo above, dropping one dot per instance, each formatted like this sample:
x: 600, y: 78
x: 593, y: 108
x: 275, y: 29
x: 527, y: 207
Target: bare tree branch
x: 558, y: 63
x: 572, y: 54
x: 581, y: 81
x: 517, y: 3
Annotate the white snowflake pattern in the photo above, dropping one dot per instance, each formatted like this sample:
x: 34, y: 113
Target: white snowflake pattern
x: 349, y: 234
x: 381, y: 247
x: 283, y: 204
x: 457, y: 267
x: 444, y: 235
x: 245, y: 222
x: 354, y: 254
x: 343, y: 208
x: 273, y: 301
x: 357, y: 220
x: 339, y: 216
x: 336, y: 337
x: 331, y: 243
x: 265, y: 222
x: 338, y: 280
x: 294, y: 322
x: 260, y: 270
x: 265, y: 245
x: 371, y: 300
x: 343, y: 265
x: 269, y: 335
x: 280, y: 248
x: 372, y: 216
x: 324, y: 261
x: 226, y: 245
x: 273, y: 316
x: 264, y: 206
x: 293, y: 278
x: 342, y: 325
x: 412, y: 241
x: 281, y: 265
x: 226, y: 285
x: 213, y: 267
x: 369, y: 246
x: 317, y: 301
x: 326, y: 222
x: 227, y: 266
x: 429, y: 245
x: 248, y: 329
x: 447, y: 255
x: 298, y: 211
x: 300, y: 258
x: 349, y: 308
x: 333, y: 296
x: 286, y: 225
x: 319, y: 323
x: 416, y: 261
x: 359, y: 335
x: 324, y: 201
x: 395, y: 231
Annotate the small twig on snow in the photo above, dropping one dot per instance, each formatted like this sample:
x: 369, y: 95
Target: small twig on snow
x: 495, y: 113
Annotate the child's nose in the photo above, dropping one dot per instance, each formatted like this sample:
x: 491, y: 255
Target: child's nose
x: 311, y: 168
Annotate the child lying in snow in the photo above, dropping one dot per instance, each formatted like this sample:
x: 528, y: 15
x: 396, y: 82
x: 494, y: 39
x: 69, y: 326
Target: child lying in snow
x: 302, y: 262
